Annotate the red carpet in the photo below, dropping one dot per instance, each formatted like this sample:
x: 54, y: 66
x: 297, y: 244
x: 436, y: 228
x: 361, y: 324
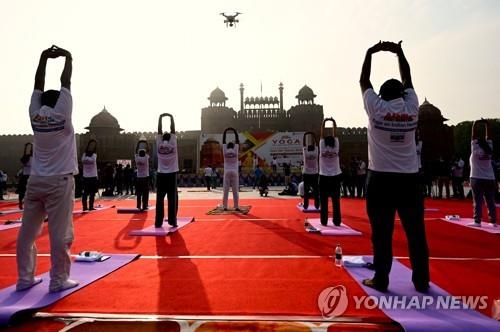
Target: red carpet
x: 251, y: 285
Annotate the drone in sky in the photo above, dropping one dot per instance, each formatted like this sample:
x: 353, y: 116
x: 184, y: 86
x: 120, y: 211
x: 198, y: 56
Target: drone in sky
x: 230, y: 20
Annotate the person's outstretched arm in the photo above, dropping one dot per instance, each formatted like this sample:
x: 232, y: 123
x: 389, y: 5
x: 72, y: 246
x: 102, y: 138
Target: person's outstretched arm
x: 236, y: 137
x: 40, y: 71
x: 304, y: 138
x: 487, y: 128
x: 160, y: 120
x: 323, y: 126
x: 224, y: 136
x: 68, y: 66
x: 474, y: 129
x: 404, y: 66
x: 364, y: 80
x: 172, y: 124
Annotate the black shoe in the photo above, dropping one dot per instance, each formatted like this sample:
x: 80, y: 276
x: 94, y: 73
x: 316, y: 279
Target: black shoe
x: 337, y: 223
x: 85, y: 209
x: 92, y: 209
x: 324, y: 223
x: 375, y: 285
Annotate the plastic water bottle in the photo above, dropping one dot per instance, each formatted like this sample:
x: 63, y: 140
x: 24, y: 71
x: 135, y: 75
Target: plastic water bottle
x: 338, y: 255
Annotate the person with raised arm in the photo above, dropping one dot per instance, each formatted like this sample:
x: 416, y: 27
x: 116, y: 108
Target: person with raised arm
x: 142, y: 177
x: 25, y: 172
x: 89, y: 161
x: 310, y: 171
x: 392, y: 180
x: 329, y: 174
x: 166, y: 178
x: 231, y: 176
x: 482, y: 175
x: 51, y: 186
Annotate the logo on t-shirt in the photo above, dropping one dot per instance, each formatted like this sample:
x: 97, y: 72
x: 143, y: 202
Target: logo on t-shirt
x: 165, y: 149
x: 230, y: 154
x: 328, y: 154
x: 46, y: 123
x: 398, y: 117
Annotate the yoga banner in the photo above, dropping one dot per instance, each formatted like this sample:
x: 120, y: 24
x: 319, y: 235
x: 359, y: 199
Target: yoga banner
x: 284, y: 146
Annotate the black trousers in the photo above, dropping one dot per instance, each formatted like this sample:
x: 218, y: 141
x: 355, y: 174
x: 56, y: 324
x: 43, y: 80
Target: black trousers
x: 89, y: 191
x: 387, y: 193
x: 208, y: 181
x: 142, y: 192
x: 329, y: 187
x: 361, y: 185
x: 311, y: 184
x: 166, y: 184
x: 21, y: 187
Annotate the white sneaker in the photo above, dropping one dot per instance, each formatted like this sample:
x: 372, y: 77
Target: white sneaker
x: 21, y: 287
x: 67, y: 284
x: 474, y: 224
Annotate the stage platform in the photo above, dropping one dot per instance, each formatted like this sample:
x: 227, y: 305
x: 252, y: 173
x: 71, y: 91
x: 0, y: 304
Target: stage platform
x: 260, y: 271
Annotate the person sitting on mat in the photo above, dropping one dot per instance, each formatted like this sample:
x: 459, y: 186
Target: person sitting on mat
x: 25, y: 172
x: 330, y: 174
x: 51, y: 187
x: 310, y: 171
x: 231, y: 177
x: 166, y: 177
x: 393, y: 181
x: 482, y: 175
x: 89, y: 161
x: 142, y: 177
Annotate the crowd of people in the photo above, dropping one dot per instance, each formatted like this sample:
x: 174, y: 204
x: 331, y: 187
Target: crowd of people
x: 393, y: 180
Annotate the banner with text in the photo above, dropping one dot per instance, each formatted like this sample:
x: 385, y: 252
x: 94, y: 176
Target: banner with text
x: 255, y: 148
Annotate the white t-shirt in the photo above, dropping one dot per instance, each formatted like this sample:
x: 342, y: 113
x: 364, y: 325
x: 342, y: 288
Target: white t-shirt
x: 329, y: 164
x: 310, y: 161
x: 391, y: 132
x: 458, y: 169
x: 27, y: 167
x: 274, y: 162
x: 89, y: 166
x: 480, y: 162
x: 208, y: 171
x: 142, y: 164
x: 230, y: 158
x: 54, y: 144
x: 167, y: 154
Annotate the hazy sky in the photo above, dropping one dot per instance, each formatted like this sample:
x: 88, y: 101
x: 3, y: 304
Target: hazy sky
x: 143, y: 58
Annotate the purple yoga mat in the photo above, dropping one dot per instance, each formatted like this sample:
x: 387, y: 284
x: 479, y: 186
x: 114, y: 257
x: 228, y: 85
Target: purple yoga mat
x: 426, y: 320
x: 310, y: 208
x: 14, y: 303
x: 164, y: 230
x: 6, y: 212
x: 485, y: 226
x: 331, y: 229
x: 133, y: 210
x: 4, y: 227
